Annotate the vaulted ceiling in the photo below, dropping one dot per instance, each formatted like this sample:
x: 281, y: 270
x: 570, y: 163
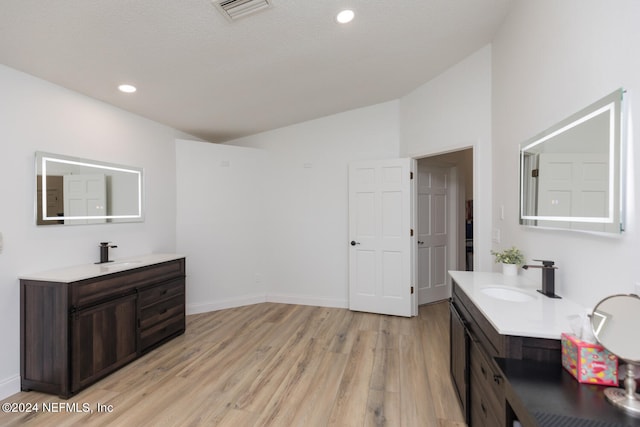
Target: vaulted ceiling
x: 217, y: 79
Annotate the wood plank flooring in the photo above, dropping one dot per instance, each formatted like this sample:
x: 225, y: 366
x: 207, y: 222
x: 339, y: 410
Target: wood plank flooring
x: 276, y: 365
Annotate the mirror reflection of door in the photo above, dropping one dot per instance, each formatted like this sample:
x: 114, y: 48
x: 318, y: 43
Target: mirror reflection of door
x: 85, y: 195
x: 574, y: 185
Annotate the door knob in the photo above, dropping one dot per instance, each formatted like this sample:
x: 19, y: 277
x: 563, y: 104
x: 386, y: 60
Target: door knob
x: 353, y: 243
x: 420, y: 242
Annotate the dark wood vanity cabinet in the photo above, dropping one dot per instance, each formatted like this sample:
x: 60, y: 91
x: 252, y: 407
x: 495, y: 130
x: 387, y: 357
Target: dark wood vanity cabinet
x: 72, y: 334
x: 477, y: 378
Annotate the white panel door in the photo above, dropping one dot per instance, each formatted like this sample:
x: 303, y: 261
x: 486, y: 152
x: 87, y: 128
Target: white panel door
x: 380, y: 236
x: 85, y: 195
x: 433, y: 238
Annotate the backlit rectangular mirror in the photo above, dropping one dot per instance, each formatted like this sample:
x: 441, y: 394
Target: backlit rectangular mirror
x: 572, y: 175
x: 71, y: 191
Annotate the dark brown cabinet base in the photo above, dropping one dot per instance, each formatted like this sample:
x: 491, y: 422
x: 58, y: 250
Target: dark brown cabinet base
x: 476, y: 377
x: 73, y: 334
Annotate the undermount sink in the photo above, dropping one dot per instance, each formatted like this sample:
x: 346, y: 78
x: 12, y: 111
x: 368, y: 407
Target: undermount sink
x: 123, y: 263
x: 506, y: 294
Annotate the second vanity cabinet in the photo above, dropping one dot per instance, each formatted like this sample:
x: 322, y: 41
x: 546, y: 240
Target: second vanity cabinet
x: 75, y: 332
x: 477, y: 378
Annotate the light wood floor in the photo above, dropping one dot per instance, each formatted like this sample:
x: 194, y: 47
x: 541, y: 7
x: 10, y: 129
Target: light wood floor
x: 278, y: 365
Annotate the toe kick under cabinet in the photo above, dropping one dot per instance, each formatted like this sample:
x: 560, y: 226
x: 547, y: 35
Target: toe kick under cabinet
x: 73, y: 333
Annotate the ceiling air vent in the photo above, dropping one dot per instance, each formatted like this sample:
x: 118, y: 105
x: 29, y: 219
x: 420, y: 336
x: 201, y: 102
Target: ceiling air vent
x: 236, y: 9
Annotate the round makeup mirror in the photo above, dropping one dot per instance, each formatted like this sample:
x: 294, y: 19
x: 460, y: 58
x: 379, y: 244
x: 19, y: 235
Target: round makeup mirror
x: 613, y: 321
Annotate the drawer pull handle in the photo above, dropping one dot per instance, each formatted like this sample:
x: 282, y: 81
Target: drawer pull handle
x: 165, y: 292
x: 497, y: 379
x: 483, y: 371
x: 484, y: 410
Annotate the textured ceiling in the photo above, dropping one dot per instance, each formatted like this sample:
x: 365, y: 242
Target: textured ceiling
x: 218, y: 80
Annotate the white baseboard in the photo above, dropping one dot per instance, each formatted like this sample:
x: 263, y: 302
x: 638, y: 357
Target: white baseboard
x: 260, y: 298
x: 225, y: 303
x: 9, y: 387
x: 308, y: 300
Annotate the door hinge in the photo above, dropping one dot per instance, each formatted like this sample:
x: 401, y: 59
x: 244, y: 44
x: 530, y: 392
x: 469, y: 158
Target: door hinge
x: 411, y: 233
x: 412, y: 290
x: 410, y: 175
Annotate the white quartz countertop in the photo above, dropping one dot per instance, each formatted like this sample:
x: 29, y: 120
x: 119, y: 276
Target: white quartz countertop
x: 538, y: 316
x: 87, y: 271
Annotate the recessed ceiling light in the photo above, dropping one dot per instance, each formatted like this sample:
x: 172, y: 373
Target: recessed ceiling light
x: 127, y: 88
x: 345, y: 16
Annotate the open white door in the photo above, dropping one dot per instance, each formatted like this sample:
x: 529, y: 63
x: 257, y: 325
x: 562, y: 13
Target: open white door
x: 380, y: 234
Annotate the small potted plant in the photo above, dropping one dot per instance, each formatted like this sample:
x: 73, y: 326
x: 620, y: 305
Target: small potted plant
x: 510, y: 259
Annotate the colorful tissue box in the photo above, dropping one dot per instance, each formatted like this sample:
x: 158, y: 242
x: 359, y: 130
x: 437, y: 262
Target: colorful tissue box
x: 589, y: 363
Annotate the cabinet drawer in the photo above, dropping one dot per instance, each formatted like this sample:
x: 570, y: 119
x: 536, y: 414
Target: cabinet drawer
x: 157, y: 333
x: 92, y: 291
x: 161, y: 292
x: 488, y: 382
x: 483, y: 413
x: 157, y: 313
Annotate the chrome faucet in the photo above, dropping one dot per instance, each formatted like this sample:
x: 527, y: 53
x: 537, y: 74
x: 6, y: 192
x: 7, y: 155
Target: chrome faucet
x: 104, y: 252
x: 548, y: 277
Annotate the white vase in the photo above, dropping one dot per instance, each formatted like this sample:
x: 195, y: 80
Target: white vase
x: 510, y: 269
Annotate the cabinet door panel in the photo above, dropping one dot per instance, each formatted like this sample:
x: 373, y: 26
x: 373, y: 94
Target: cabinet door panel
x: 458, y: 360
x: 104, y: 338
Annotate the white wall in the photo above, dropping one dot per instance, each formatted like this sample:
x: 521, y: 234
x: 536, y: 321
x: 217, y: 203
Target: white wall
x: 222, y: 223
x: 550, y: 60
x: 36, y: 115
x: 306, y: 256
x: 453, y: 112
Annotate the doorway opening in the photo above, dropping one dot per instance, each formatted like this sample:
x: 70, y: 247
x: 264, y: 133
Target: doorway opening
x: 444, y: 222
